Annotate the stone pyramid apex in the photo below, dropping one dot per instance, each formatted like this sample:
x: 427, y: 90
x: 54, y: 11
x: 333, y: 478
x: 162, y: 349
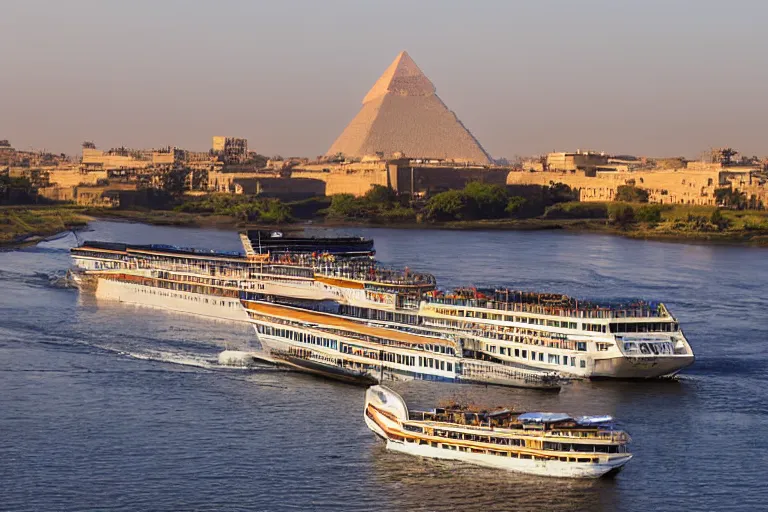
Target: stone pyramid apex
x: 402, y: 115
x: 402, y: 77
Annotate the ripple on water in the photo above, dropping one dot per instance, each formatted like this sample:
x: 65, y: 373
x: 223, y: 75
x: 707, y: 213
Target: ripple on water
x: 107, y: 406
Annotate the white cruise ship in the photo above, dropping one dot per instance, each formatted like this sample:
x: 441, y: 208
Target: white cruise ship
x: 495, y: 333
x: 187, y: 281
x: 545, y: 332
x: 338, y: 347
x: 200, y: 282
x: 555, y: 332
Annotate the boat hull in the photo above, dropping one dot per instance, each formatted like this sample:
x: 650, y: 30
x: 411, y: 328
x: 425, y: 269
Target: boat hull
x: 643, y: 367
x: 529, y: 466
x: 553, y: 384
x: 323, y: 370
x: 220, y: 308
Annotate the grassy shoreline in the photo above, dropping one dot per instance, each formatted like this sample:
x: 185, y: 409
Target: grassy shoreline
x: 22, y: 225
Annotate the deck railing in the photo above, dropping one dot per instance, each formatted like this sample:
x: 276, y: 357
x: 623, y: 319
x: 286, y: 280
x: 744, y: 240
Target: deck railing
x: 555, y: 310
x: 485, y: 371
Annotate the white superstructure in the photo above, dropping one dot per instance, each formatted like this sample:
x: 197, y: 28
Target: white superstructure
x: 198, y: 283
x: 635, y: 340
x: 509, y: 331
x: 378, y: 352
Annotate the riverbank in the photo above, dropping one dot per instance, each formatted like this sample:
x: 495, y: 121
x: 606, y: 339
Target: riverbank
x: 24, y: 225
x: 675, y: 228
x: 660, y: 232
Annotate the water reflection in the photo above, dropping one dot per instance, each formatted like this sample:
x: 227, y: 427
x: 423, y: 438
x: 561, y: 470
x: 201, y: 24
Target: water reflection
x: 74, y: 382
x: 416, y: 483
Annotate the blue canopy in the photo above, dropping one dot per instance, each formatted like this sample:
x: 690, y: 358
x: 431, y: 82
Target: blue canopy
x: 594, y: 420
x: 543, y: 417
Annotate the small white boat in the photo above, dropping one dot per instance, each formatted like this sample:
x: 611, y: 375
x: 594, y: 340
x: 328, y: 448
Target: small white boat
x: 545, y: 444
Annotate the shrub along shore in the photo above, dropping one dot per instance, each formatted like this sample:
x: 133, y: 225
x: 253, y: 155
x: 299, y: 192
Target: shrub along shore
x: 477, y: 206
x: 21, y: 225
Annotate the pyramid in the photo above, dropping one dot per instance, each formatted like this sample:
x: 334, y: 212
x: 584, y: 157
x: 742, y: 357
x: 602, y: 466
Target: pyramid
x: 402, y: 113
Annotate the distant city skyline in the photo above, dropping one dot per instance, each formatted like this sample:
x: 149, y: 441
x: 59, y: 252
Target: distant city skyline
x: 656, y: 78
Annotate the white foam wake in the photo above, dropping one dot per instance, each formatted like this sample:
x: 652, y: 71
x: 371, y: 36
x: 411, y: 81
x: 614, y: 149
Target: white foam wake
x: 173, y: 358
x: 237, y: 359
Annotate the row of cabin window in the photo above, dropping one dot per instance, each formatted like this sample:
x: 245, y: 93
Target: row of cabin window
x: 291, y: 271
x: 501, y: 332
x: 563, y: 324
x: 375, y: 314
x: 506, y: 441
x: 425, y: 362
x: 583, y: 448
x: 551, y: 358
x: 440, y: 349
x: 347, y: 334
x: 437, y: 348
x: 151, y: 291
x: 103, y: 255
x: 195, y: 279
x: 301, y: 337
x: 428, y: 362
x: 345, y: 348
x: 446, y: 446
x: 644, y: 327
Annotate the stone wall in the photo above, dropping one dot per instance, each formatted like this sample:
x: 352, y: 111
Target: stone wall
x: 84, y: 195
x: 354, y: 178
x: 282, y: 188
x: 431, y: 180
x: 64, y: 194
x: 219, y: 181
x: 97, y: 157
x: 573, y: 161
x: 74, y: 177
x: 667, y: 186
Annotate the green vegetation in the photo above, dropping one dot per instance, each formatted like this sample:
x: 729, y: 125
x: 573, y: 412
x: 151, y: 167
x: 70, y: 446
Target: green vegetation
x: 20, y: 223
x: 621, y: 214
x: 16, y: 191
x: 631, y: 194
x: 577, y: 210
x: 239, y: 207
x: 450, y: 205
x: 483, y: 201
x: 477, y: 206
x: 649, y: 213
x: 736, y: 200
x: 379, y: 205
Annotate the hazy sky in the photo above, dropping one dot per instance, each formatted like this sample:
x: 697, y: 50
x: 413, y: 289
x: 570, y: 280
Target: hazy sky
x: 659, y: 77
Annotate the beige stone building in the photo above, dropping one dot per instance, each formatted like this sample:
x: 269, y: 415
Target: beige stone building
x: 580, y: 160
x: 696, y: 184
x: 231, y: 150
x: 132, y: 159
x: 114, y: 159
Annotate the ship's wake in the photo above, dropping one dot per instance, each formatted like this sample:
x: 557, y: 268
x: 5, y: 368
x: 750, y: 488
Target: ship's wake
x: 195, y: 360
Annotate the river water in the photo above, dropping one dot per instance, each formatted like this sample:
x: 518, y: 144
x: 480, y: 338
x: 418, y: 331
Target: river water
x: 112, y: 407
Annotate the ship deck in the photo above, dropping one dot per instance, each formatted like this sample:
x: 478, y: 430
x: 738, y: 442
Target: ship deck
x: 313, y: 317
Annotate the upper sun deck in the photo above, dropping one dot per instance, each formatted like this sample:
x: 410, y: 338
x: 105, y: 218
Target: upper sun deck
x: 547, y: 304
x: 526, y: 423
x: 112, y: 249
x: 364, y: 270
